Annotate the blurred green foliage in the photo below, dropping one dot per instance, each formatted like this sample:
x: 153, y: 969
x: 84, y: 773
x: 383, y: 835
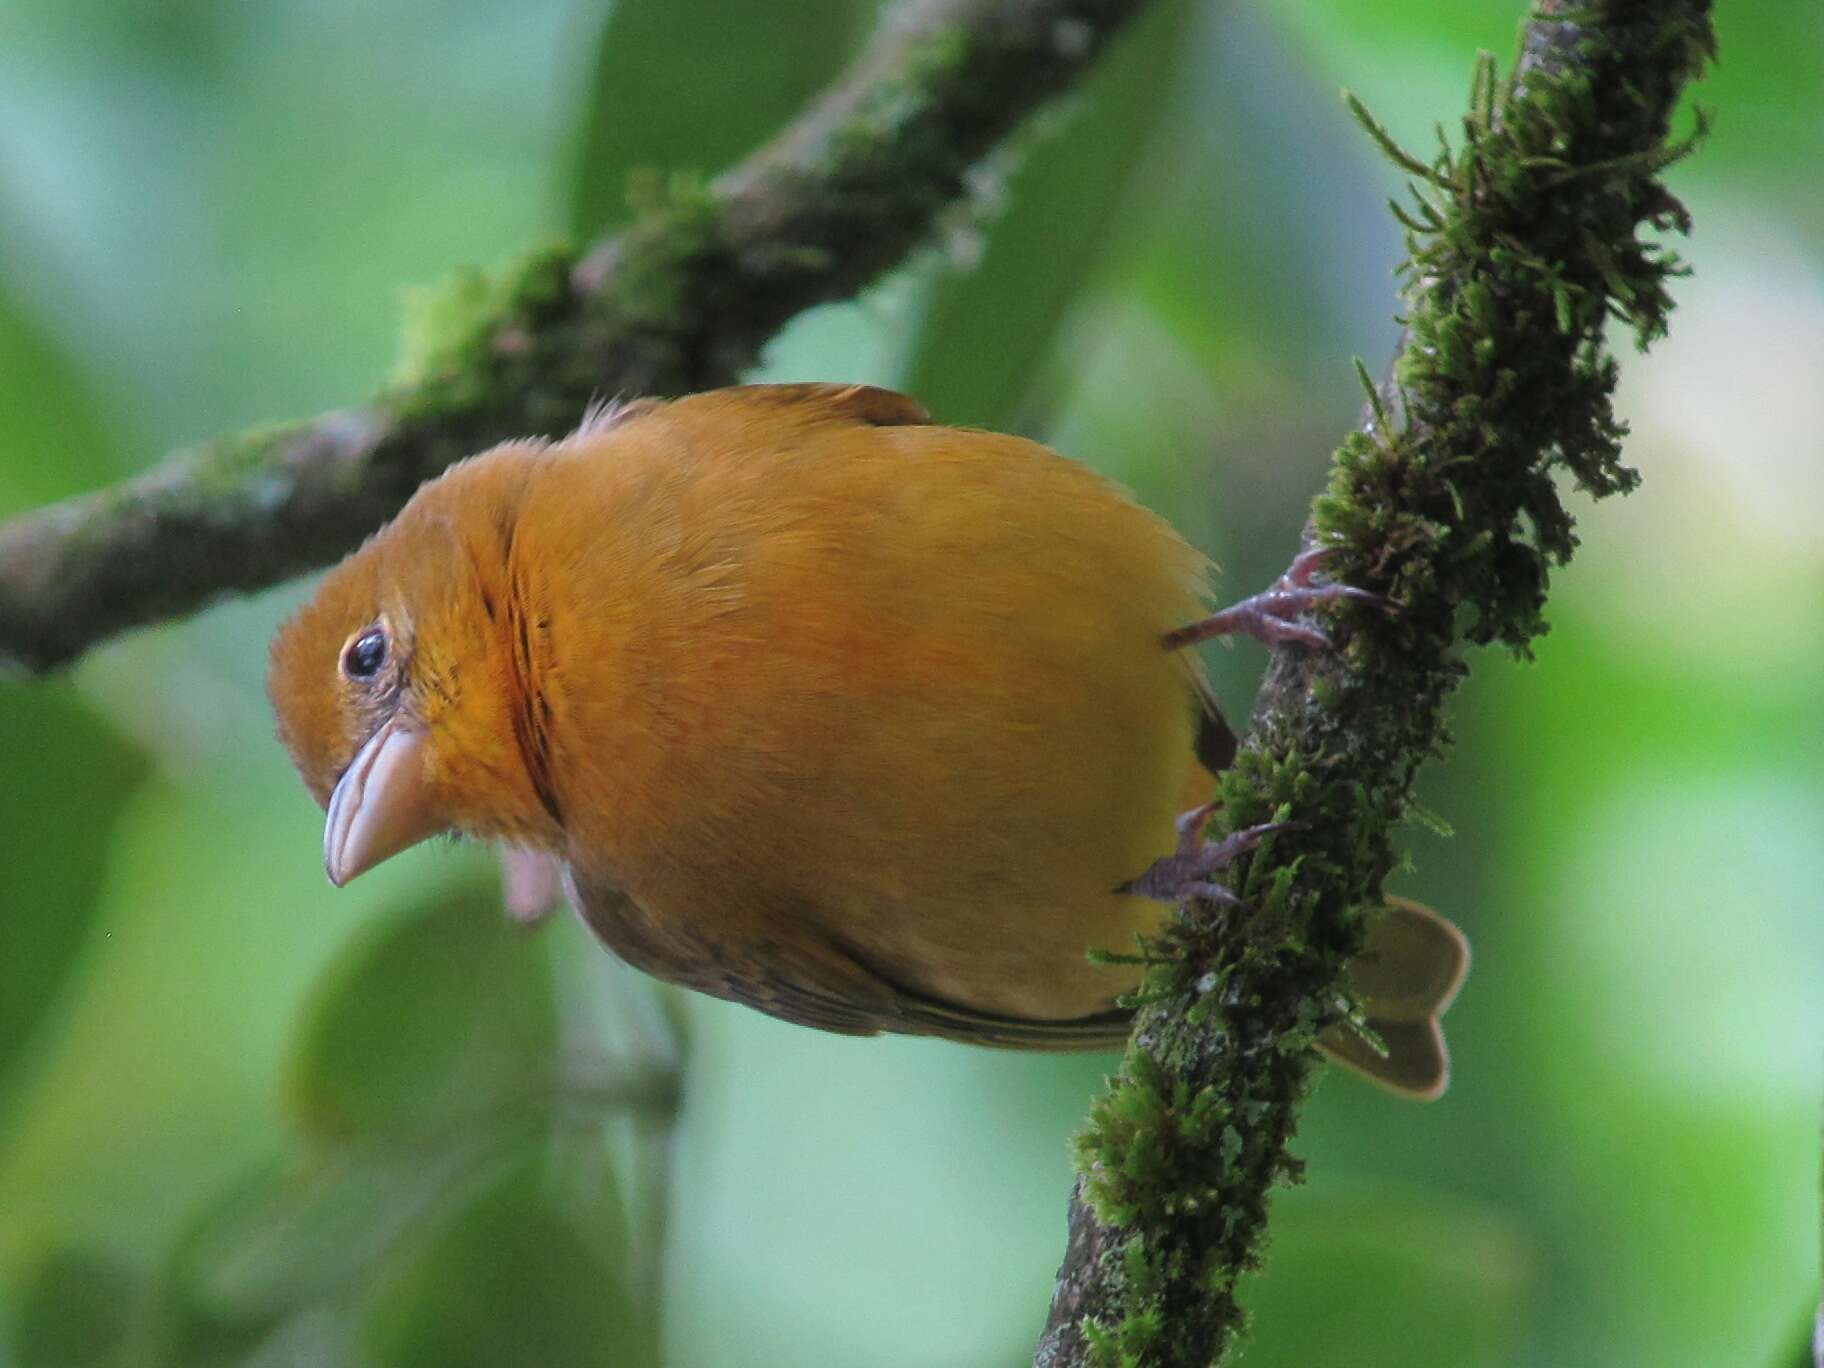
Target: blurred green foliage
x: 985, y: 346
x: 693, y: 86
x: 376, y: 1048
x: 247, y: 1119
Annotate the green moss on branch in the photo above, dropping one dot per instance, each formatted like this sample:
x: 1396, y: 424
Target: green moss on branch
x: 1526, y: 238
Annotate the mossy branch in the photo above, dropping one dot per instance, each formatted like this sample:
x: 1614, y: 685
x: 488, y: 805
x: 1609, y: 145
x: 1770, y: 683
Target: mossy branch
x: 1525, y: 242
x: 681, y: 301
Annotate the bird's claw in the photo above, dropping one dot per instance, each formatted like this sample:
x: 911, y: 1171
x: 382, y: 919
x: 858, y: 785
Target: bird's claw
x: 1187, y: 872
x: 1270, y: 617
x: 1190, y: 826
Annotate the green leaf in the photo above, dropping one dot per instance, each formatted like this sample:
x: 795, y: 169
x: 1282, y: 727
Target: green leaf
x: 509, y: 1282
x: 321, y: 1337
x: 427, y: 1065
x: 72, y: 775
x: 692, y: 85
x: 75, y: 1310
x: 69, y: 771
x: 441, y: 1013
x: 988, y: 332
x: 307, y: 1234
x: 54, y: 441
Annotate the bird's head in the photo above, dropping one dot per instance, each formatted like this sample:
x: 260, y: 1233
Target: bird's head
x: 403, y: 686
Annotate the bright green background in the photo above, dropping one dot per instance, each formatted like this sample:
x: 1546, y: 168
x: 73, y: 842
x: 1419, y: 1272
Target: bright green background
x: 247, y: 1119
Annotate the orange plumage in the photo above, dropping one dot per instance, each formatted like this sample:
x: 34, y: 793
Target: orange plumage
x: 860, y: 720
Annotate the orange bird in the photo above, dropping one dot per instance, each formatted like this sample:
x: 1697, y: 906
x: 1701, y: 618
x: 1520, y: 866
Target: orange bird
x: 872, y: 724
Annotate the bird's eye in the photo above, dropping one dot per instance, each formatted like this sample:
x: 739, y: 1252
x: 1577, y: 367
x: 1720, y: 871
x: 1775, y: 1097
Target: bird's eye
x: 365, y: 654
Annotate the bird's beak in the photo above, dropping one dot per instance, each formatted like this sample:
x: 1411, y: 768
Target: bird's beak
x: 381, y: 804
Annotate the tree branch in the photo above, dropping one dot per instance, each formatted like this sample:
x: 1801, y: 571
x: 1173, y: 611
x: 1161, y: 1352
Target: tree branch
x: 681, y: 301
x: 1524, y: 242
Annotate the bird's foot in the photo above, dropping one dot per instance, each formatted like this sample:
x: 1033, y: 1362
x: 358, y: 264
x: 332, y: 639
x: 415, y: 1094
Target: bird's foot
x: 1270, y: 616
x: 1188, y: 872
x: 531, y: 885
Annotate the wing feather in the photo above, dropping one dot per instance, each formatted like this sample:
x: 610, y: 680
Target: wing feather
x: 812, y: 981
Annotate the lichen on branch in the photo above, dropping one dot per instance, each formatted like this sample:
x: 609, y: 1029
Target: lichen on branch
x: 1527, y: 235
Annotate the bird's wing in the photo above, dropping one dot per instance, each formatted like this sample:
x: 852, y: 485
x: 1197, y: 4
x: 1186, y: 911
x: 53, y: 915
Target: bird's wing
x: 920, y: 1015
x: 798, y: 979
x: 807, y: 979
x: 1216, y: 740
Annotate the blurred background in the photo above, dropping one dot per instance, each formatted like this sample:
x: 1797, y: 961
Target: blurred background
x: 248, y: 1119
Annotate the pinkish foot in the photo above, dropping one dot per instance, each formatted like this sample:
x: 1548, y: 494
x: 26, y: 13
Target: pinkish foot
x: 531, y: 884
x: 1269, y: 616
x: 1187, y: 872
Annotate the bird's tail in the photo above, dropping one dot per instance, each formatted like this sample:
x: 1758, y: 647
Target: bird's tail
x: 1406, y: 976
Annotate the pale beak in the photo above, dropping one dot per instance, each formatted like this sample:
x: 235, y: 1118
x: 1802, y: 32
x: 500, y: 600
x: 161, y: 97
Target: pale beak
x: 381, y: 804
